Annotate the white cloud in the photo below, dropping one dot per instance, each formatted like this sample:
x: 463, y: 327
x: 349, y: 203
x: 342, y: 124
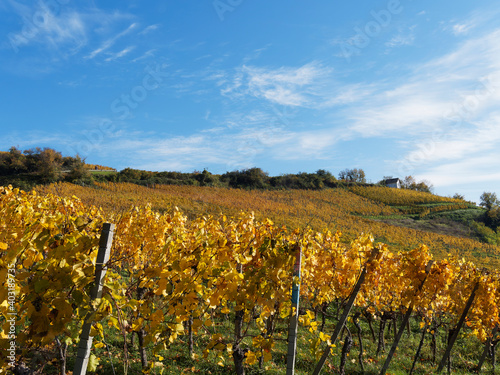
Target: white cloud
x: 475, y: 58
x: 120, y: 54
x: 149, y: 29
x: 349, y: 93
x: 41, y: 25
x: 309, y: 145
x: 62, y: 30
x: 145, y: 55
x: 434, y: 92
x: 459, y: 139
x: 389, y: 117
x: 298, y: 87
x: 31, y: 139
x: 401, y: 40
x: 482, y: 168
x: 457, y: 144
x: 475, y: 21
x: 238, y: 142
x: 110, y: 42
x: 409, y: 108
x: 463, y: 28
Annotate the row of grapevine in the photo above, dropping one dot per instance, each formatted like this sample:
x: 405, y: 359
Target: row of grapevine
x: 170, y: 277
x: 400, y: 197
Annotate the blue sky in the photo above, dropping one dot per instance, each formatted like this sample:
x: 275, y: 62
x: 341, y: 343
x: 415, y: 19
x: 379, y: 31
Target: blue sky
x: 394, y: 87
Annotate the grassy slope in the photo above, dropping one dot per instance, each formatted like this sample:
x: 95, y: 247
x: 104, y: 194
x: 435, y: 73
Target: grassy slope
x: 426, y: 212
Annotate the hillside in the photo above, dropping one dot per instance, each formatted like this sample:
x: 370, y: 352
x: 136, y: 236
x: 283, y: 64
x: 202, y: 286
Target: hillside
x: 198, y: 290
x: 404, y: 218
x: 400, y: 218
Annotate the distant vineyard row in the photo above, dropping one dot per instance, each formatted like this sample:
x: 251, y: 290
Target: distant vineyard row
x: 401, y: 197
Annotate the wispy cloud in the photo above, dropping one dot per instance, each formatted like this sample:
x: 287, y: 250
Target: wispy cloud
x: 120, y: 54
x: 231, y: 149
x: 431, y: 91
x: 284, y: 86
x: 408, y: 109
x: 30, y: 139
x: 41, y: 25
x: 254, y: 55
x: 145, y: 55
x: 462, y: 28
x: 481, y: 168
x: 483, y: 136
x: 401, y: 40
x: 149, y: 29
x: 339, y: 95
x: 411, y: 114
x: 451, y: 114
x: 73, y: 83
x: 51, y: 34
x: 110, y: 42
x: 475, y: 21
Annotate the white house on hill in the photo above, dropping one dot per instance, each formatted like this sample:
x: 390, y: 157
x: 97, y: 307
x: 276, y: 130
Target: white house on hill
x: 393, y: 183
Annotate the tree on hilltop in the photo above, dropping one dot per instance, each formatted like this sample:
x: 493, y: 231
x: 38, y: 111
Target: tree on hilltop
x: 12, y: 162
x: 77, y: 169
x: 492, y: 216
x: 409, y: 182
x: 46, y: 162
x: 352, y: 175
x: 489, y: 201
x: 42, y: 165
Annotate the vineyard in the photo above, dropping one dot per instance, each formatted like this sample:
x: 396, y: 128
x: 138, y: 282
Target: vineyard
x: 219, y: 287
x: 338, y: 209
x: 400, y: 197
x: 411, y: 201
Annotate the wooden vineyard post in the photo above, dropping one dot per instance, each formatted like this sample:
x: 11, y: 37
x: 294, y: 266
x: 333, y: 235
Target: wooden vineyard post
x: 345, y: 314
x: 294, y: 317
x: 83, y: 354
x: 457, y: 329
x: 487, y: 347
x: 422, y: 337
x: 403, y: 324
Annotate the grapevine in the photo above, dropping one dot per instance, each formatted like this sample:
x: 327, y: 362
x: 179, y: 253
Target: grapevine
x: 168, y: 273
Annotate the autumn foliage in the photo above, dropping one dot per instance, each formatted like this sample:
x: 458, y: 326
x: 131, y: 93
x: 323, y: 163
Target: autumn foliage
x: 169, y: 274
x: 350, y: 211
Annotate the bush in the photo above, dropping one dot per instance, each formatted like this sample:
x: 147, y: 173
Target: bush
x: 486, y: 234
